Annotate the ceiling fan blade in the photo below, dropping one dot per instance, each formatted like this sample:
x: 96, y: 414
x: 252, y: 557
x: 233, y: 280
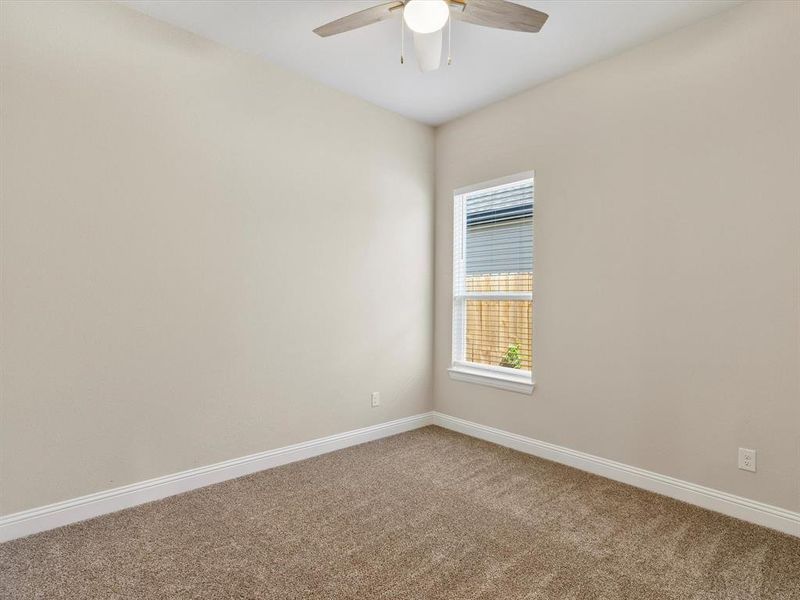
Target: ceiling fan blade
x: 368, y: 16
x: 501, y: 15
x: 428, y: 49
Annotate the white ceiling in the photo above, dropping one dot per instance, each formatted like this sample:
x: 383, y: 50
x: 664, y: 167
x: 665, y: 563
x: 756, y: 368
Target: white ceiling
x: 488, y: 64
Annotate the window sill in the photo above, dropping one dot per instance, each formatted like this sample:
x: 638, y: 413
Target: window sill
x: 522, y: 384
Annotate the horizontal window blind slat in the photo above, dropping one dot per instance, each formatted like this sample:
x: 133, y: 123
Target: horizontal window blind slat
x: 508, y: 296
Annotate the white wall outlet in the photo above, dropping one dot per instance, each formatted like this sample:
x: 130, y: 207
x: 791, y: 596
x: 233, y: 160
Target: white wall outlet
x: 747, y: 459
x: 376, y: 399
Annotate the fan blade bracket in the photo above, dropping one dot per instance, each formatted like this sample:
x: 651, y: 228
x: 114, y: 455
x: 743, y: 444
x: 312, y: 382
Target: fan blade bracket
x: 459, y: 5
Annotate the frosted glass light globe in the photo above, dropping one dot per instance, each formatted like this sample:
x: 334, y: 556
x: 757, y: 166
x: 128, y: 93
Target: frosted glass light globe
x: 426, y: 16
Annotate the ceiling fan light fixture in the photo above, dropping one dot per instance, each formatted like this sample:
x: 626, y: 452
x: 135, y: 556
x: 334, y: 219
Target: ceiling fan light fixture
x: 426, y: 16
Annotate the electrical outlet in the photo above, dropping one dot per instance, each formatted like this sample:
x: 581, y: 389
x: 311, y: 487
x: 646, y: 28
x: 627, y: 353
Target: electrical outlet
x: 747, y: 459
x: 376, y: 399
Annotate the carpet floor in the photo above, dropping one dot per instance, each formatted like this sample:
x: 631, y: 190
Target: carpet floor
x: 428, y: 514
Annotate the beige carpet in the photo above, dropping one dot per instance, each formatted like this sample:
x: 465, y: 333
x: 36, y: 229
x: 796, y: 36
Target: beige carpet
x: 423, y: 515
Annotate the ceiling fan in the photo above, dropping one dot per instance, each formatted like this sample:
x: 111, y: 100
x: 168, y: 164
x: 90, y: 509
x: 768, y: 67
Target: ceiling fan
x: 428, y: 18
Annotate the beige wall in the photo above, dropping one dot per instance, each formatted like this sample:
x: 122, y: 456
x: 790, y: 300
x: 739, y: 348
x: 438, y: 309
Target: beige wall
x: 203, y: 256
x: 667, y: 316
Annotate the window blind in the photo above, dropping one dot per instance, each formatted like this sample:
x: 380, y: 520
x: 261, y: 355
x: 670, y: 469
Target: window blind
x: 493, y: 277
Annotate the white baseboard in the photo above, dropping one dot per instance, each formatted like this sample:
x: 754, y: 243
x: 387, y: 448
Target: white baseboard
x: 93, y: 505
x: 722, y: 502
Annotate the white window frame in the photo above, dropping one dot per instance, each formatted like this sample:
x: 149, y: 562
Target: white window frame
x: 503, y: 378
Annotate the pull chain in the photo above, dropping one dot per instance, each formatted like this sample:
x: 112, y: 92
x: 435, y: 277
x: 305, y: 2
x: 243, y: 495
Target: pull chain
x: 449, y: 41
x: 402, y: 39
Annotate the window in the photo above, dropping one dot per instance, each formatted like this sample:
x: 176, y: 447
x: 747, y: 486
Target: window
x: 493, y: 284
